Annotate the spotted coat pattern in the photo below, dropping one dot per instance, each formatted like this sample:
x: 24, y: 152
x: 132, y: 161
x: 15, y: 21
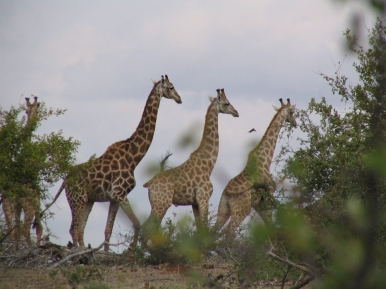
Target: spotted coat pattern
x: 110, y: 178
x: 189, y: 183
x: 246, y: 189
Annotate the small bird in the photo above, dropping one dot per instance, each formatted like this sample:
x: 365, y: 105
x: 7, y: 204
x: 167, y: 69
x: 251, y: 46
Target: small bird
x: 252, y: 130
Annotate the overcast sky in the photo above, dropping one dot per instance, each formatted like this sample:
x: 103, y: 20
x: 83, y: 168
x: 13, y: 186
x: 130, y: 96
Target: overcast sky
x: 97, y: 59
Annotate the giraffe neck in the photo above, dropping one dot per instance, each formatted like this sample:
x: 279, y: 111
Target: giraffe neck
x: 260, y: 158
x: 141, y: 139
x: 209, y: 145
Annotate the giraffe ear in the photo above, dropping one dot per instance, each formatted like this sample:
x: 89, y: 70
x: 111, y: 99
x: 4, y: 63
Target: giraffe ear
x: 154, y: 82
x: 211, y: 98
x: 275, y: 108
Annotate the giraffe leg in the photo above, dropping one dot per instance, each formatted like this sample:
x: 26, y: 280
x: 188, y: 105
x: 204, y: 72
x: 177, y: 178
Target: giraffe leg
x: 17, y: 216
x: 235, y: 222
x: 259, y: 202
x: 240, y: 207
x: 9, y: 216
x: 86, y: 212
x: 38, y: 228
x: 76, y: 223
x: 126, y: 207
x: 202, y: 197
x: 113, y: 209
x: 196, y: 213
x: 29, y: 214
x: 151, y: 225
x: 223, y: 213
x: 36, y: 223
x: 159, y: 206
x: 267, y: 217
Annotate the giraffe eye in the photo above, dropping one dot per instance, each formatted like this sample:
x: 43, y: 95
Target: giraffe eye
x: 171, y: 88
x: 227, y: 104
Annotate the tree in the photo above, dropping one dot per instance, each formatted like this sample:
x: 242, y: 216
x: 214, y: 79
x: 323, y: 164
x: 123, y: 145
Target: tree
x: 339, y: 173
x: 31, y: 163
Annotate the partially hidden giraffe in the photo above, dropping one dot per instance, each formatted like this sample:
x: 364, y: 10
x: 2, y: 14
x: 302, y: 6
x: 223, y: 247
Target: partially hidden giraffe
x: 189, y: 183
x: 246, y: 189
x: 29, y: 204
x: 110, y: 178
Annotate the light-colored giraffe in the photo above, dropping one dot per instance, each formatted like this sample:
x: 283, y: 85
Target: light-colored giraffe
x: 189, y: 183
x: 28, y: 204
x: 246, y: 189
x: 110, y: 178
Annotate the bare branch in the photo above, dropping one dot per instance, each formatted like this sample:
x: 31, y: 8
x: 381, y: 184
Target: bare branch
x: 69, y: 257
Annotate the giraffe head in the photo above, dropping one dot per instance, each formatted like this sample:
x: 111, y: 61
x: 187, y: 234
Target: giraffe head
x: 166, y: 89
x: 223, y: 103
x: 290, y: 111
x: 32, y: 108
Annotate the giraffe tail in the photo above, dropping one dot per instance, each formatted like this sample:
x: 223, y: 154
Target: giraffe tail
x: 54, y: 200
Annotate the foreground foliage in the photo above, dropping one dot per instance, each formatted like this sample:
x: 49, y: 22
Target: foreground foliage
x: 339, y: 176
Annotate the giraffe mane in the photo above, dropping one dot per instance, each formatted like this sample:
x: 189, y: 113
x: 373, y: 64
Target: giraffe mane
x: 269, y: 126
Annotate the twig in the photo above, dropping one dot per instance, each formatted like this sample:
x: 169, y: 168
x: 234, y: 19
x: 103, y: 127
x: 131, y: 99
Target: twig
x: 77, y: 254
x: 290, y: 263
x: 304, y: 283
x: 6, y: 235
x: 285, y: 276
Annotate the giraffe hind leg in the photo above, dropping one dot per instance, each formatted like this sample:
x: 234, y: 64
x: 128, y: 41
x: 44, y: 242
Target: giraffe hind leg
x: 240, y: 207
x: 223, y: 213
x: 86, y: 212
x: 126, y: 207
x: 76, y: 223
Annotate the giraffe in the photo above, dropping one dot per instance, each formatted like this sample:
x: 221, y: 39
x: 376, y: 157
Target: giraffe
x: 245, y: 190
x: 189, y: 183
x: 110, y: 178
x: 30, y: 204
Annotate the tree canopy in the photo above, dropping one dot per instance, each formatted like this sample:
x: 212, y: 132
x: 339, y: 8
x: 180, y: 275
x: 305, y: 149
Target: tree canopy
x: 339, y: 173
x: 30, y: 162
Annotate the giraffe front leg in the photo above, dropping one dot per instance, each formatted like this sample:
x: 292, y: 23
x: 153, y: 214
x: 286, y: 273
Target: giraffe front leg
x: 9, y: 216
x: 83, y: 221
x: 126, y: 207
x: 150, y: 227
x: 160, y: 203
x: 113, y: 209
x: 262, y: 204
x: 29, y: 213
x: 37, y: 224
x: 202, y: 198
x: 17, y: 216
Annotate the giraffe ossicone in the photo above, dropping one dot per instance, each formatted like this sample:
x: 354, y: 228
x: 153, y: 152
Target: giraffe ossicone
x: 189, y: 183
x: 110, y: 178
x: 246, y: 190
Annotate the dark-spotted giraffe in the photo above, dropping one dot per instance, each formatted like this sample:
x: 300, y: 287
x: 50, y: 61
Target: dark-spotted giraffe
x: 110, y: 178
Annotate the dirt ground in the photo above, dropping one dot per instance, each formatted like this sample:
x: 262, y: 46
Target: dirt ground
x: 120, y: 277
